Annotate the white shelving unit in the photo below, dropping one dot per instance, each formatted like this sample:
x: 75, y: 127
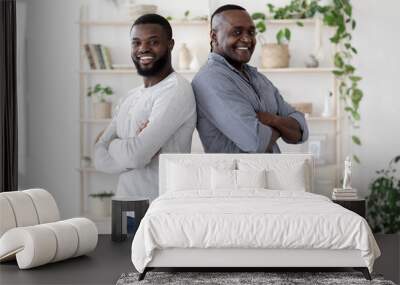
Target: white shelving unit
x: 87, y: 124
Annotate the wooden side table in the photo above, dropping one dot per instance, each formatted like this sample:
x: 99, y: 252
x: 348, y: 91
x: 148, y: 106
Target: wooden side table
x: 357, y: 206
x: 121, y: 205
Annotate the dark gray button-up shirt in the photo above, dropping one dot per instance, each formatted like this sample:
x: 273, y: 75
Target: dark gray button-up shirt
x: 227, y: 103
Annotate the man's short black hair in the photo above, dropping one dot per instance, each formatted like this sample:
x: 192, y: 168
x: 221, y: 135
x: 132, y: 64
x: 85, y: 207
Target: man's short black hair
x: 226, y: 8
x: 154, y: 19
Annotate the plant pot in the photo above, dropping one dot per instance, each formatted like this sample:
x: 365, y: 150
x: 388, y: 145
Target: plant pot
x: 137, y: 10
x: 102, y: 110
x: 275, y: 56
x: 388, y: 263
x: 100, y: 207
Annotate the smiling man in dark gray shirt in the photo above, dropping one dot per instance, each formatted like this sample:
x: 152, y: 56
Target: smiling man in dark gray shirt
x: 239, y: 109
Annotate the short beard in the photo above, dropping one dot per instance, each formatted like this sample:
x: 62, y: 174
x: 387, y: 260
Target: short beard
x: 157, y: 66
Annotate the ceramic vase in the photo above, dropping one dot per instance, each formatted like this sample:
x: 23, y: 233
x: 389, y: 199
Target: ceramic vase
x: 327, y: 112
x: 184, y: 57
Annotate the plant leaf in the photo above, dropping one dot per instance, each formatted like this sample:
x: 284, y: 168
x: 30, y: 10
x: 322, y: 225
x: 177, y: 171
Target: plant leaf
x: 258, y: 16
x: 338, y: 72
x: 356, y: 140
x: 261, y: 27
x: 338, y: 60
x: 271, y: 8
x: 287, y: 34
x: 355, y: 78
x: 356, y: 115
x: 356, y: 159
x: 353, y: 24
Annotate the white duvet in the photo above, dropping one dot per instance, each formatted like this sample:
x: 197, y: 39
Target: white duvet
x: 252, y: 218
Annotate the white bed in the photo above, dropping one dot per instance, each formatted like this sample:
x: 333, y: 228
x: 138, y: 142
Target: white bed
x: 198, y: 223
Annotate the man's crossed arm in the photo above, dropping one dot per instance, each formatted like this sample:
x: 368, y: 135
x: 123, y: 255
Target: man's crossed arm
x: 285, y: 127
x: 103, y: 160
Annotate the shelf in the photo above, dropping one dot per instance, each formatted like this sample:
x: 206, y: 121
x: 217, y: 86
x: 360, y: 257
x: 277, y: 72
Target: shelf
x: 106, y: 121
x: 109, y: 71
x: 126, y: 71
x: 95, y: 121
x: 129, y: 23
x: 88, y: 169
x: 326, y: 166
x: 291, y: 21
x: 262, y: 70
x: 196, y: 22
x: 321, y: 118
x: 297, y: 70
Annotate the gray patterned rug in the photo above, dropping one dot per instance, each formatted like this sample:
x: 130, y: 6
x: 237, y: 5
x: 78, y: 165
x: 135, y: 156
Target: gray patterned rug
x: 243, y: 278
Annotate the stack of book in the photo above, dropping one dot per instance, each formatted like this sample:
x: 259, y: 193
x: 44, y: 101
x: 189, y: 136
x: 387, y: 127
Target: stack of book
x: 344, y: 194
x: 98, y: 56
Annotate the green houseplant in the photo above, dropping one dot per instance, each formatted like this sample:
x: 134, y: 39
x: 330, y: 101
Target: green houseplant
x: 383, y: 215
x: 101, y: 107
x: 383, y: 203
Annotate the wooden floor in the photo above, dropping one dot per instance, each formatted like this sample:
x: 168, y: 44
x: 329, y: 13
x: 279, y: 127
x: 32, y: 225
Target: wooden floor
x: 102, y: 266
x: 111, y: 259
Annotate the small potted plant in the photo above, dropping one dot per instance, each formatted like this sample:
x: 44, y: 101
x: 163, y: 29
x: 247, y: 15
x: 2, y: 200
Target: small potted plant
x: 101, y: 107
x: 273, y: 55
x: 101, y: 204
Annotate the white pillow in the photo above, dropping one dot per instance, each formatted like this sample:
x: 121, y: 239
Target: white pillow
x: 183, y: 178
x: 193, y: 175
x: 293, y: 179
x: 226, y: 179
x: 251, y: 178
x: 282, y: 173
x: 223, y: 179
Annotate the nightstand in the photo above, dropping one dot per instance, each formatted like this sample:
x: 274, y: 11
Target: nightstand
x: 120, y: 207
x: 357, y: 206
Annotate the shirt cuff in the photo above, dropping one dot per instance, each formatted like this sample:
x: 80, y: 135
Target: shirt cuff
x: 299, y: 117
x: 264, y: 137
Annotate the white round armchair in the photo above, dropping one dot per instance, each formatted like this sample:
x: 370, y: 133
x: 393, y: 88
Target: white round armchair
x: 31, y: 232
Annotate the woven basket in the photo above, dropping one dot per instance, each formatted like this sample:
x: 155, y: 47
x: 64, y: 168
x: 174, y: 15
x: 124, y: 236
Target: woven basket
x: 275, y: 56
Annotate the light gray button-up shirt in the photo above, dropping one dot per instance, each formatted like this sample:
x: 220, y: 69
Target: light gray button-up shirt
x: 227, y: 103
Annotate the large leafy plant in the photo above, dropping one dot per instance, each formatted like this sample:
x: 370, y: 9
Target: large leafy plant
x: 339, y: 16
x: 384, y: 201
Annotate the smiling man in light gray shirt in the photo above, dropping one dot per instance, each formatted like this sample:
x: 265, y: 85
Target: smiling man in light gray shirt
x: 238, y: 108
x: 157, y: 117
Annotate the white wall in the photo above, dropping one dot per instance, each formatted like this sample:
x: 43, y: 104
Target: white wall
x: 52, y: 101
x: 53, y: 86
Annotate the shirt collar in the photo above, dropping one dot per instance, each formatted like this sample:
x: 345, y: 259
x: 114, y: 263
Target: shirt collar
x: 219, y: 58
